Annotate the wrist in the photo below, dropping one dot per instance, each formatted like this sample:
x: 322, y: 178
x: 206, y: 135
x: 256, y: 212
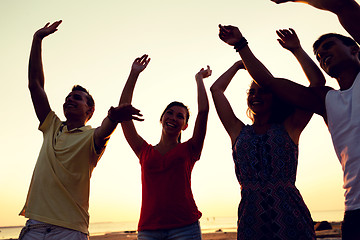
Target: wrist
x: 297, y: 51
x: 112, y: 120
x: 238, y: 65
x: 238, y: 46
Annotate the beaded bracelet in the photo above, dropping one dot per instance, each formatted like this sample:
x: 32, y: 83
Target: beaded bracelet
x: 240, y: 44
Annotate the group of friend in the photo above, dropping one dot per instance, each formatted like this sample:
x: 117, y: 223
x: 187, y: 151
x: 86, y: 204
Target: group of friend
x: 265, y: 153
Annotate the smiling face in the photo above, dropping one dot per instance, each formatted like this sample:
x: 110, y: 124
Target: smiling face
x: 76, y: 106
x: 174, y: 120
x: 259, y: 99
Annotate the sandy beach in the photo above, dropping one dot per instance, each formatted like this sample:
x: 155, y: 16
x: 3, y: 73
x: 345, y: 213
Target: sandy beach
x: 334, y: 233
x: 133, y: 236
x: 220, y: 234
x: 328, y: 234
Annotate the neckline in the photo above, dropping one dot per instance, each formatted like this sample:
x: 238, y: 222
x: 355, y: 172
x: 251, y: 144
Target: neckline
x: 154, y: 147
x: 265, y: 132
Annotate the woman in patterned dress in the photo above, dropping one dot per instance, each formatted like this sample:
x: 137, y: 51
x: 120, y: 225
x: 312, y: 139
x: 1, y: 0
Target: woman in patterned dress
x: 266, y: 154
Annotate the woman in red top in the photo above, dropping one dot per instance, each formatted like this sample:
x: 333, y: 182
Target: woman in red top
x: 168, y: 207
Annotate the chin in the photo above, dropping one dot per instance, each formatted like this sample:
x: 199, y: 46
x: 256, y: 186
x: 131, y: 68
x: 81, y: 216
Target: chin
x: 332, y: 73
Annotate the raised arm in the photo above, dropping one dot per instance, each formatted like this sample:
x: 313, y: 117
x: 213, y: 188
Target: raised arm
x: 36, y: 73
x: 289, y: 40
x: 133, y: 138
x: 124, y: 112
x: 310, y: 99
x: 203, y: 110
x: 226, y: 114
x: 348, y: 12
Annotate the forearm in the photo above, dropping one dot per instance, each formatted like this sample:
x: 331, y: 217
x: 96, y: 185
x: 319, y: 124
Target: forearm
x: 202, y: 117
x: 203, y: 101
x: 127, y: 93
x: 36, y: 73
x: 311, y: 70
x: 224, y: 80
x: 256, y: 69
x: 349, y: 17
x: 106, y: 128
x: 103, y: 132
x: 348, y: 12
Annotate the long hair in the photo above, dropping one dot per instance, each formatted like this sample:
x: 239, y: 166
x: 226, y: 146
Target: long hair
x: 280, y: 110
x: 179, y: 104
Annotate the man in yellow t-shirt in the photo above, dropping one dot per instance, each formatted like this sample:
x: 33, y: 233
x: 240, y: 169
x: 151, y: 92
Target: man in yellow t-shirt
x: 58, y: 199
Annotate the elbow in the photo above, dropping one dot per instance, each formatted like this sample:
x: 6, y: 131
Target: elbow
x: 32, y: 85
x: 204, y: 110
x: 214, y: 89
x: 318, y: 83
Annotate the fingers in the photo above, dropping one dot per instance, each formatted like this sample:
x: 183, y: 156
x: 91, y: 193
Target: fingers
x: 281, y: 42
x: 55, y: 25
x: 47, y: 29
x: 137, y: 119
x: 143, y: 60
x: 281, y: 1
x: 124, y: 112
x: 209, y: 71
x: 204, y: 73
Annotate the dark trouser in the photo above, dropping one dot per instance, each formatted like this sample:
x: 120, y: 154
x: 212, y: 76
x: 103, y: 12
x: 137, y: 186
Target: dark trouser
x: 350, y: 227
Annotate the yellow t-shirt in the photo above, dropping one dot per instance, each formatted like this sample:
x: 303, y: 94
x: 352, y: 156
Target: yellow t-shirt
x: 60, y: 185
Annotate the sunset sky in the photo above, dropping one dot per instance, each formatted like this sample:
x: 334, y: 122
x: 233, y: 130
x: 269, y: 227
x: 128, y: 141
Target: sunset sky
x: 95, y: 47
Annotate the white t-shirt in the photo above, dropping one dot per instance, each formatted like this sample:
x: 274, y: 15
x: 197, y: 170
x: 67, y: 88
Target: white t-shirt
x: 343, y: 116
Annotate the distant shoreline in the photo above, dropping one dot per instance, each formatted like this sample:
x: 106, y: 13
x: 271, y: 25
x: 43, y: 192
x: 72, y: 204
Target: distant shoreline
x: 220, y: 234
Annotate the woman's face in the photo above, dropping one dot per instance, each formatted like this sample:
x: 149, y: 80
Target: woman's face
x: 259, y: 99
x: 174, y: 120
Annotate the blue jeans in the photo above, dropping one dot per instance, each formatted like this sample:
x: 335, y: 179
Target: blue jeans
x: 183, y: 233
x: 35, y: 230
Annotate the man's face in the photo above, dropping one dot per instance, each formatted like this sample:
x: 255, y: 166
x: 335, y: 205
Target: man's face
x: 333, y: 55
x: 76, y: 106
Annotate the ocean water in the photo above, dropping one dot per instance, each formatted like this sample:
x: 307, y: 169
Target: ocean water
x: 208, y: 224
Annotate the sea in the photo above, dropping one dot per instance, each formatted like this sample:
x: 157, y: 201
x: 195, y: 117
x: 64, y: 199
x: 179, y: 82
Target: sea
x: 208, y: 224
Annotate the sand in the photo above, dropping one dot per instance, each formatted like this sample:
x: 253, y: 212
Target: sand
x: 133, y: 236
x: 334, y: 233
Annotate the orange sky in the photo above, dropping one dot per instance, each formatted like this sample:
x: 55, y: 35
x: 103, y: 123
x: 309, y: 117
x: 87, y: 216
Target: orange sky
x: 95, y: 46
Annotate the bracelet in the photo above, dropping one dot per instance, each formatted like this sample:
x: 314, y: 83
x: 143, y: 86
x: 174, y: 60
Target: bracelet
x: 240, y: 44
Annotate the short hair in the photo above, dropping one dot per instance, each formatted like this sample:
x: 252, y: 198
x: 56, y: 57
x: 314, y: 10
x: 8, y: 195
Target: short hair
x: 344, y: 39
x: 90, y: 101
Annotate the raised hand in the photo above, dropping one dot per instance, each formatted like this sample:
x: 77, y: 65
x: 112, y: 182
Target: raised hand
x: 47, y: 30
x: 124, y: 112
x: 288, y: 39
x: 140, y: 63
x: 203, y: 73
x: 229, y: 34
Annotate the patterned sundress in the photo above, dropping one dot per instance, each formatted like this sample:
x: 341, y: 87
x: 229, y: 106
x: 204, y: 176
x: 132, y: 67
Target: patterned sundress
x: 271, y: 207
